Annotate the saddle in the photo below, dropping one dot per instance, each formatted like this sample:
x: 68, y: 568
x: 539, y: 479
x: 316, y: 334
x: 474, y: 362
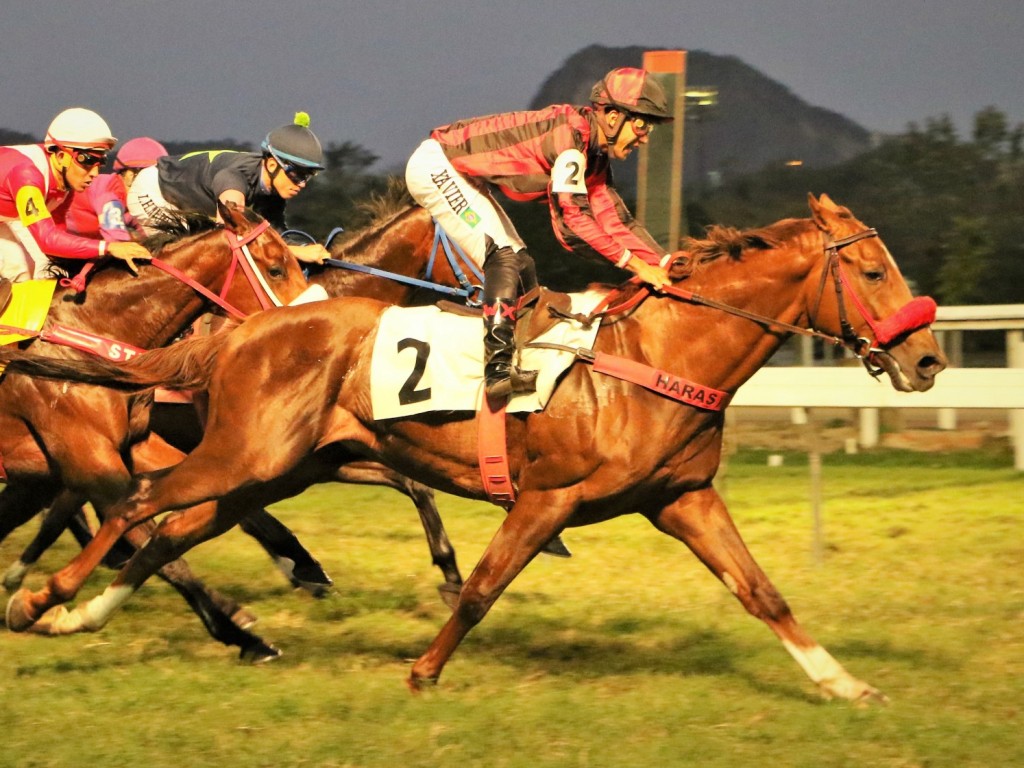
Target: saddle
x: 538, y: 310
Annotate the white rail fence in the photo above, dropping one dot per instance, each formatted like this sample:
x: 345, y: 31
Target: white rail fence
x: 801, y: 388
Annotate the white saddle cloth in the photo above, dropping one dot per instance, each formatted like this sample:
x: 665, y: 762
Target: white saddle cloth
x: 427, y: 360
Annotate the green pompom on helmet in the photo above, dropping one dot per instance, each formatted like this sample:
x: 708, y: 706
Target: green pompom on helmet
x: 295, y: 144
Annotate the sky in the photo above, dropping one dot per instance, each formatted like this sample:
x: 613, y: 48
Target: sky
x: 383, y: 74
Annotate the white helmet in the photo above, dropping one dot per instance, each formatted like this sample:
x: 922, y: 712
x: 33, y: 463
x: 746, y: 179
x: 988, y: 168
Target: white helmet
x: 81, y: 129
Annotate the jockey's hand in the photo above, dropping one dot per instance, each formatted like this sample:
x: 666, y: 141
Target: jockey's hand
x: 652, y: 274
x: 313, y: 253
x: 128, y: 252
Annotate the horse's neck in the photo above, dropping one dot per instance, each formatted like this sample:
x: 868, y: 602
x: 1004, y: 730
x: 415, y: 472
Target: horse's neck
x: 402, y: 246
x: 146, y: 311
x: 712, y: 346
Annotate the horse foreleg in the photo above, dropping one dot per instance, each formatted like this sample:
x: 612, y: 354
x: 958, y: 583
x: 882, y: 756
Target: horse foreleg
x: 160, y: 553
x: 442, y: 553
x: 700, y: 520
x: 531, y: 523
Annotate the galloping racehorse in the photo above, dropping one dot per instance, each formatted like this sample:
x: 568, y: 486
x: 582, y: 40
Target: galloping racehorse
x: 89, y: 440
x: 603, y: 446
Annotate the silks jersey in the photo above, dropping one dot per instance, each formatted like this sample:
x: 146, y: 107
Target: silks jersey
x: 29, y: 193
x: 552, y: 152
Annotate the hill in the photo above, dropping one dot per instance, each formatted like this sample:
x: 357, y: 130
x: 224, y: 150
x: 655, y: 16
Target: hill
x: 757, y: 122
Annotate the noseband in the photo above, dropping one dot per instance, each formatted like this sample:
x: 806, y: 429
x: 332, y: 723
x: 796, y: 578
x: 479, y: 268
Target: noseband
x: 914, y: 315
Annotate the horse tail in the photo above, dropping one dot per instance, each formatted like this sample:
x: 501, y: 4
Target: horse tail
x: 185, y: 365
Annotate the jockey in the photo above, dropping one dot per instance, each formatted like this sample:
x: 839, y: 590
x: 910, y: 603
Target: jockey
x: 290, y: 157
x: 100, y: 211
x: 35, y: 185
x: 561, y: 152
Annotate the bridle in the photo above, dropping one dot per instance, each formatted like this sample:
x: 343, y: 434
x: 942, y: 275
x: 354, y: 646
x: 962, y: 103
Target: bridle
x: 240, y: 257
x: 917, y: 313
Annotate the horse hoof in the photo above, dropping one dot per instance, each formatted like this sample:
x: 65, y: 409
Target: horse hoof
x: 450, y: 594
x: 45, y: 624
x: 18, y: 617
x: 556, y: 547
x: 316, y: 589
x: 313, y: 578
x: 871, y: 697
x: 14, y: 576
x: 418, y: 684
x: 259, y: 653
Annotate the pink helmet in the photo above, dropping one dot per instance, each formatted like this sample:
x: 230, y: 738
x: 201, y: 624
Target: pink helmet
x: 139, y: 153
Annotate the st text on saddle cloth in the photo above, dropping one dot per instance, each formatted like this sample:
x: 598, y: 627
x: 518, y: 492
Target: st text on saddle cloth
x: 428, y: 360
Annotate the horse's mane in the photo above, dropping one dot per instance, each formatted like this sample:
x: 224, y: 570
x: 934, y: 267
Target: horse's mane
x: 181, y: 226
x: 168, y: 232
x: 383, y: 209
x: 729, y: 242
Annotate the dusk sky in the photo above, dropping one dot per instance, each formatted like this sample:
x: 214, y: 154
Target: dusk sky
x: 383, y: 74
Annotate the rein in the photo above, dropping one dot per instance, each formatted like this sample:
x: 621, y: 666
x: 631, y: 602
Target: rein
x: 471, y: 292
x: 861, y: 347
x: 917, y: 313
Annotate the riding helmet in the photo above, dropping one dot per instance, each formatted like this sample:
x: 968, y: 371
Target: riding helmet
x: 295, y: 144
x: 631, y: 90
x: 79, y: 128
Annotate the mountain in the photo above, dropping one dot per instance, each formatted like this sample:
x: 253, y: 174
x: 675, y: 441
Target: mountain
x: 756, y: 123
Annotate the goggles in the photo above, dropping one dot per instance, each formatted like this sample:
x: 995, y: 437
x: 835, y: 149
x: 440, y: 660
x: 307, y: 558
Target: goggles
x: 88, y: 159
x: 296, y: 173
x: 641, y: 125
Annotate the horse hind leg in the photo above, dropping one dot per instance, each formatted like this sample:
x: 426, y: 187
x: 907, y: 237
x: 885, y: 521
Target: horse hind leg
x: 442, y: 553
x: 289, y: 555
x: 700, y: 520
x: 19, y: 502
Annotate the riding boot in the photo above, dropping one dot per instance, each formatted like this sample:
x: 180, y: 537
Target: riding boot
x: 5, y: 294
x: 501, y: 377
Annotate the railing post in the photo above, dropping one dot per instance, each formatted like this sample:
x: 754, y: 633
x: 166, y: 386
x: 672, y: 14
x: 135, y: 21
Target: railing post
x: 1015, y: 359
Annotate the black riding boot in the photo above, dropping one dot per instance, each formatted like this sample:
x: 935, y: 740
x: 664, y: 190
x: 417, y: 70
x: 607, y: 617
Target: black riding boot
x: 501, y: 377
x: 5, y: 294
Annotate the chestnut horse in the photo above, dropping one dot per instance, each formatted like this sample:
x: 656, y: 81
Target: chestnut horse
x: 602, y: 447
x: 402, y: 244
x: 89, y: 440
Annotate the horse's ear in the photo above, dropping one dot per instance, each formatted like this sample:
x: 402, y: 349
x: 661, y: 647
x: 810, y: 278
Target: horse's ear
x: 822, y: 210
x: 232, y: 214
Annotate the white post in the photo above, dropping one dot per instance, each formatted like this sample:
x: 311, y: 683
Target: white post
x: 1015, y: 359
x: 868, y: 436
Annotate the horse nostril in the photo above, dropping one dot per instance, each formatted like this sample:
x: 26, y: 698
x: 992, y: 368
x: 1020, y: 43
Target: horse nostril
x: 929, y: 365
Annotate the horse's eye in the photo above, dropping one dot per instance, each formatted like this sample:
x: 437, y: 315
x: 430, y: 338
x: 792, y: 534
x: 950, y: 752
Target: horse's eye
x: 277, y: 272
x: 874, y: 275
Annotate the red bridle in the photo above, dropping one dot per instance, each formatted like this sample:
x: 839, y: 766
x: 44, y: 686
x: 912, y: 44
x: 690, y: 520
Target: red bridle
x: 240, y: 256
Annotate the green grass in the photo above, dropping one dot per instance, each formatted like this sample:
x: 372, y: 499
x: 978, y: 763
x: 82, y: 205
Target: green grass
x: 629, y: 654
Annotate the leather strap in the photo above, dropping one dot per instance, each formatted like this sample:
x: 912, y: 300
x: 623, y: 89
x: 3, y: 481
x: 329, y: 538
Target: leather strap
x: 492, y: 452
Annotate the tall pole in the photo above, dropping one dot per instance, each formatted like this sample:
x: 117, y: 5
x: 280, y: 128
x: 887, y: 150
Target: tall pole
x: 660, y: 172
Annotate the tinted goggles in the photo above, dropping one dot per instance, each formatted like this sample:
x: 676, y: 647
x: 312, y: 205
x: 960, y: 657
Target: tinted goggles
x: 86, y: 158
x: 295, y: 173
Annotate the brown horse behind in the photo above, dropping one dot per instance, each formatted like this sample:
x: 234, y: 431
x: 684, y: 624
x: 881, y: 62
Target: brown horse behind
x: 568, y: 468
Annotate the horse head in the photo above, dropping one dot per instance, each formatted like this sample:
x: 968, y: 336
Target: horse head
x: 862, y: 298
x: 272, y: 274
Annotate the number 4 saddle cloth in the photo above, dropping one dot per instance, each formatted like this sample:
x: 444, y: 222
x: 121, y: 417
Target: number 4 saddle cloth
x: 426, y: 360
